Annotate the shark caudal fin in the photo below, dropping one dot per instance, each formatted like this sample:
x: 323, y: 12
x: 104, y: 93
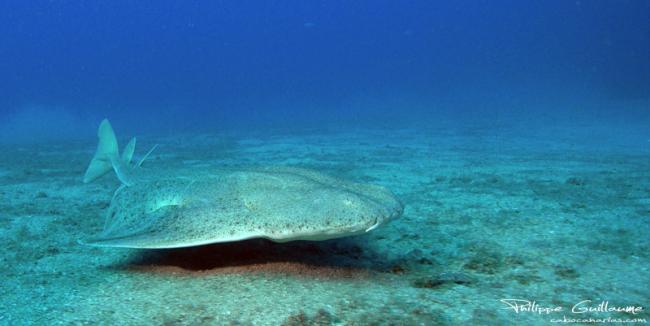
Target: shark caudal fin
x: 107, y: 156
x: 107, y: 150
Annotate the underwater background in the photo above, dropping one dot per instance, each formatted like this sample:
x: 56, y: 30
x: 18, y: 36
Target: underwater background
x: 173, y: 65
x: 515, y: 133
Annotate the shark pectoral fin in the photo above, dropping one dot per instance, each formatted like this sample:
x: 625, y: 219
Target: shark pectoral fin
x: 131, y: 240
x: 161, y: 228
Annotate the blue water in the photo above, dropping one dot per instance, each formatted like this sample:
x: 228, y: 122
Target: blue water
x: 173, y: 65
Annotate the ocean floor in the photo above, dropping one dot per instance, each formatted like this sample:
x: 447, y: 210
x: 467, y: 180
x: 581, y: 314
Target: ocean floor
x: 489, y: 216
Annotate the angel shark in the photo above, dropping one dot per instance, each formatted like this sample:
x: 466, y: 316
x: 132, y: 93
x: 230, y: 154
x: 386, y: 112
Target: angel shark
x: 162, y: 208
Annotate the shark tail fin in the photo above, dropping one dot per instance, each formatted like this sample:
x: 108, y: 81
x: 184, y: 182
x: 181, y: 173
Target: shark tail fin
x: 107, y: 156
x: 107, y: 151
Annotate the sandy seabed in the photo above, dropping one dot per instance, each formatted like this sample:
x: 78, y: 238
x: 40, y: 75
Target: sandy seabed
x: 489, y: 216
